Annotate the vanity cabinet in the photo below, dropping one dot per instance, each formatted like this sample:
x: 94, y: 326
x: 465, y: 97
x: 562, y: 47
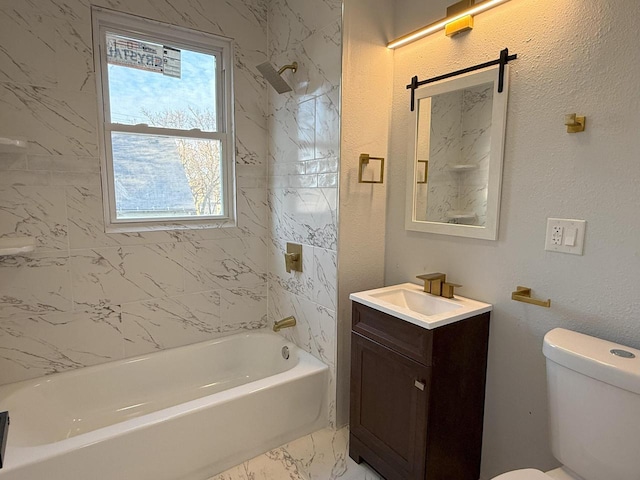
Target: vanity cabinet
x: 417, y: 396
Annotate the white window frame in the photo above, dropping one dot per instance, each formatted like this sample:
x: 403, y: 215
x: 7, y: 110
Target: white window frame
x: 104, y: 20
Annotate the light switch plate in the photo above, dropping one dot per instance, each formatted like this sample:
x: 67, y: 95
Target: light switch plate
x: 561, y: 233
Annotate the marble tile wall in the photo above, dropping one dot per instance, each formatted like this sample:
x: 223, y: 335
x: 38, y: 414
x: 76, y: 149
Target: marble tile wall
x: 476, y: 149
x: 85, y: 297
x: 460, y: 136
x: 302, y: 177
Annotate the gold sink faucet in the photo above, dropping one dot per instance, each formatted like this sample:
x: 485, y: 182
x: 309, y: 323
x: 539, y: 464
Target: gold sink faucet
x: 284, y: 323
x: 433, y: 282
x: 436, y: 284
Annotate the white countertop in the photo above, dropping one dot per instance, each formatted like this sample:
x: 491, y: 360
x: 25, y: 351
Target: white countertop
x: 408, y: 301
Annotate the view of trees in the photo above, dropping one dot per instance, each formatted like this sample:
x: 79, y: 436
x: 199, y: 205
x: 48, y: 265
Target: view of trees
x: 200, y: 158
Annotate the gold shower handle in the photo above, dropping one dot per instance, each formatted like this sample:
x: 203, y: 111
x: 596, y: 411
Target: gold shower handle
x: 293, y: 257
x: 290, y: 261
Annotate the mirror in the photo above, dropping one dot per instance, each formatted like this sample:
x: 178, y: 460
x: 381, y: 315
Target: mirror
x: 455, y: 156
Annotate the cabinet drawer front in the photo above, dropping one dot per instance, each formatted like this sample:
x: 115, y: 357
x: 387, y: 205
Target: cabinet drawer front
x: 403, y: 337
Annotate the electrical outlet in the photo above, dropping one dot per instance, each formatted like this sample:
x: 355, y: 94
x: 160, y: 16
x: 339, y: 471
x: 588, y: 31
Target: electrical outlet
x: 565, y: 236
x: 556, y: 235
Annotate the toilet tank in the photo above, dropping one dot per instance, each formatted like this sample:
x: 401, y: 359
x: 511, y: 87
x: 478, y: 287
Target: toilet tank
x: 594, y: 405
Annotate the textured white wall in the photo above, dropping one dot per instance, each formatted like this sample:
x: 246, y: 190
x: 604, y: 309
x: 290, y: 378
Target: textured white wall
x: 572, y: 57
x: 366, y: 96
x: 409, y: 15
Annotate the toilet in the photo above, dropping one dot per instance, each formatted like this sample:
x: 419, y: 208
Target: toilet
x: 594, y: 409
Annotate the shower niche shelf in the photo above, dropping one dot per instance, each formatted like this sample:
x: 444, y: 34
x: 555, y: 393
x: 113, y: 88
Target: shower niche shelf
x: 459, y: 215
x: 17, y: 246
x: 463, y: 167
x: 12, y: 145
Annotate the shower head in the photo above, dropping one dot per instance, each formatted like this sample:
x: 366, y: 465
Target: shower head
x: 272, y: 75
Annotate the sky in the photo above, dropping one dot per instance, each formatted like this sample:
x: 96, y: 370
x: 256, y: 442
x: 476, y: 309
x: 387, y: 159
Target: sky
x: 149, y: 176
x: 131, y: 90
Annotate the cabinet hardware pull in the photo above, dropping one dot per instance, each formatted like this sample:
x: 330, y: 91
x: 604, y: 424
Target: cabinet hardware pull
x: 419, y: 385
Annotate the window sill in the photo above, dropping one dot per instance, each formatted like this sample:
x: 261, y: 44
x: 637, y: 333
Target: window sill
x: 165, y: 226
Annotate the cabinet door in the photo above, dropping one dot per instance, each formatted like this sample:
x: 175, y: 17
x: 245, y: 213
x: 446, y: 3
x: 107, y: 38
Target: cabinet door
x: 389, y: 401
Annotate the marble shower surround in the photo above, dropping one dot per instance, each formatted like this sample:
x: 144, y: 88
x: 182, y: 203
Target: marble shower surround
x: 303, y: 159
x: 460, y: 135
x: 85, y: 297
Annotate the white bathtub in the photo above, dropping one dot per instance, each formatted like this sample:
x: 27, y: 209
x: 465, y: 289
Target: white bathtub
x: 184, y: 413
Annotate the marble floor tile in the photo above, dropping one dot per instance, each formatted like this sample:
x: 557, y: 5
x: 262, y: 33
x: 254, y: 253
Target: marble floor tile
x: 322, y: 455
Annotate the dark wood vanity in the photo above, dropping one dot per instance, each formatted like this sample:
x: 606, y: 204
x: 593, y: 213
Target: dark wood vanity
x: 417, y: 396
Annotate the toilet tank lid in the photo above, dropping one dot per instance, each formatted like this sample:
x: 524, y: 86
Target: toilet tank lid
x: 592, y: 356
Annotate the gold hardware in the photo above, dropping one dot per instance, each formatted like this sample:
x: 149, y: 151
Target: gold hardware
x: 433, y: 282
x: 284, y: 323
x: 293, y: 257
x: 426, y: 171
x: 460, y: 25
x: 364, y: 160
x: 461, y: 9
x: 293, y: 66
x: 575, y: 123
x: 461, y: 6
x: 447, y: 289
x: 523, y: 294
x: 436, y: 284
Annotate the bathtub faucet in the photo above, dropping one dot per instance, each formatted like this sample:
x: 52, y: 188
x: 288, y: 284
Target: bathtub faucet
x: 284, y: 323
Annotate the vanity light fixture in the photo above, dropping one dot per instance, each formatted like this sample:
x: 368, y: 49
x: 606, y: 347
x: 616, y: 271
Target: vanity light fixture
x: 459, y: 18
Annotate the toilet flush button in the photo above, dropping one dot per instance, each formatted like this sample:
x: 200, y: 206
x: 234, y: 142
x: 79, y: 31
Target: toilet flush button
x: 622, y: 353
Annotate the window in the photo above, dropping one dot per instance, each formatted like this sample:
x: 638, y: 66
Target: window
x: 165, y: 102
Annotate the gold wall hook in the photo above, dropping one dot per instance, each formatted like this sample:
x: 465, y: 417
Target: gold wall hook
x: 575, y: 123
x: 523, y: 294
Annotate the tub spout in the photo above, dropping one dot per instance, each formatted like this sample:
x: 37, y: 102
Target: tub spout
x: 284, y: 323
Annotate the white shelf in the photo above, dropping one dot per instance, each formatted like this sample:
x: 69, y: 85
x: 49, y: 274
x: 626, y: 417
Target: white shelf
x: 17, y: 246
x: 459, y: 215
x: 463, y: 167
x: 8, y: 145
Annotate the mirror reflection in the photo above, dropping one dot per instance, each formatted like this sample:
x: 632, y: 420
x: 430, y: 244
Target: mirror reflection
x: 455, y: 156
x: 453, y: 149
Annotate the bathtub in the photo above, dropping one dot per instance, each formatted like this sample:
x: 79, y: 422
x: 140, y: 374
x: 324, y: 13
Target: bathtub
x: 184, y: 413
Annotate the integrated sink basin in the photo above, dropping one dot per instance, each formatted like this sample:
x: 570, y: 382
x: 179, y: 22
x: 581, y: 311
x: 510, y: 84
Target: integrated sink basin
x: 417, y: 302
x: 409, y: 302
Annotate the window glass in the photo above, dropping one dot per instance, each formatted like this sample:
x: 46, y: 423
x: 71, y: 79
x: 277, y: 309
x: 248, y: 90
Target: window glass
x: 166, y: 124
x: 159, y: 85
x: 159, y: 176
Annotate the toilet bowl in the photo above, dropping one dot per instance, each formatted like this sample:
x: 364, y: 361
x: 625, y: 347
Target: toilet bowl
x: 587, y: 376
x: 526, y: 474
x: 531, y: 474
